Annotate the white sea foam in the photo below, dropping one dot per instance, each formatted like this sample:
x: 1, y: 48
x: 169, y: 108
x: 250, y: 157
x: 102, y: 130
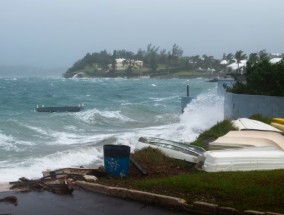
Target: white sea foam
x: 164, y: 99
x: 9, y: 143
x: 33, y: 168
x: 65, y: 138
x: 37, y: 129
x: 202, y: 113
x: 92, y: 115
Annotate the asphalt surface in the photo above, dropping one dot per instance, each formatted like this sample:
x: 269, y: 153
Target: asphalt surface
x: 80, y: 202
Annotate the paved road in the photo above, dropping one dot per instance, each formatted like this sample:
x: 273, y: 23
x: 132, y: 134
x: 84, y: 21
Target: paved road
x: 80, y: 202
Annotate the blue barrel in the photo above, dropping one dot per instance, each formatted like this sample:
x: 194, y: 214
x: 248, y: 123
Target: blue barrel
x: 116, y: 160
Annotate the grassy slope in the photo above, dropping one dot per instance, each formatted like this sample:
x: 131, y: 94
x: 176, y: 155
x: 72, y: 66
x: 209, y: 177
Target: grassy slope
x: 256, y: 190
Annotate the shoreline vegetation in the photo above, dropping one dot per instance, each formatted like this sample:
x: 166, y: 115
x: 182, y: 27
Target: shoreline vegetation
x: 156, y: 62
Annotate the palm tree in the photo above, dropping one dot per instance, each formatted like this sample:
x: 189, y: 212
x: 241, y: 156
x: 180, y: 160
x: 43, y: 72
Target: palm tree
x: 253, y: 58
x: 263, y: 55
x: 240, y: 56
x: 230, y: 58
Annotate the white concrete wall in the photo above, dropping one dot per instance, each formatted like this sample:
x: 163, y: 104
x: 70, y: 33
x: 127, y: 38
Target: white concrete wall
x: 243, y: 105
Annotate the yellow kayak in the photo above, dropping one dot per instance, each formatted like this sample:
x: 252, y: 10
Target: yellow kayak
x: 278, y: 125
x: 278, y: 120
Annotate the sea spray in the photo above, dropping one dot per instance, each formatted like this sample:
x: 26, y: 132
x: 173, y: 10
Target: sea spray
x: 202, y: 113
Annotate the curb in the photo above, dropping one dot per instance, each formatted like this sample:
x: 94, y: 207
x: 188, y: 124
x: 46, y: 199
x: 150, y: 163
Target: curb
x: 198, y: 208
x: 162, y: 200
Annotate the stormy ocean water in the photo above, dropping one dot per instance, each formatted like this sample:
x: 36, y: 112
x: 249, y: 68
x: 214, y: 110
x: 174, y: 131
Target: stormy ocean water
x: 116, y: 111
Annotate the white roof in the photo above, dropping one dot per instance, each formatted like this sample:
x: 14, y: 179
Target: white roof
x: 234, y: 66
x: 224, y: 62
x: 275, y: 60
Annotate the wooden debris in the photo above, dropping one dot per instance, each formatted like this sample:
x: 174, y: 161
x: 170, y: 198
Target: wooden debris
x: 75, y: 171
x: 10, y: 199
x: 57, y: 181
x: 138, y: 167
x: 59, y: 186
x: 90, y: 178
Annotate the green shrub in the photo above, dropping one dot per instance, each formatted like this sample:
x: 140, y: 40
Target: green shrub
x: 261, y: 78
x: 261, y: 118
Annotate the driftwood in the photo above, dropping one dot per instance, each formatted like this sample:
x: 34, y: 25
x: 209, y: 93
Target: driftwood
x: 59, y: 186
x: 75, y: 171
x: 57, y: 181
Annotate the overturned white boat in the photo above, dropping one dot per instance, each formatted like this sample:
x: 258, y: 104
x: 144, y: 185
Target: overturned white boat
x: 245, y: 159
x: 177, y: 150
x: 245, y: 123
x: 248, y: 138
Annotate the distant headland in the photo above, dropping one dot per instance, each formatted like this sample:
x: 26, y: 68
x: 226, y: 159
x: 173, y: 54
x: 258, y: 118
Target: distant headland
x: 157, y: 62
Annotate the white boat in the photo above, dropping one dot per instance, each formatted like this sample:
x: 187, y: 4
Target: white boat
x: 241, y: 139
x: 245, y: 159
x: 241, y: 142
x: 270, y: 135
x: 177, y: 150
x: 245, y: 123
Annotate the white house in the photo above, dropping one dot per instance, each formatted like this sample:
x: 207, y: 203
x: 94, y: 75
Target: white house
x: 122, y: 63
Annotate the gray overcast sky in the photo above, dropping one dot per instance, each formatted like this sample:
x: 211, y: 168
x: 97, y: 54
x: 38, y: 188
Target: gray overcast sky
x: 56, y: 33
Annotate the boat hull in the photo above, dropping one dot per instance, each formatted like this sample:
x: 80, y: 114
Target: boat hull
x: 176, y: 150
x: 246, y: 159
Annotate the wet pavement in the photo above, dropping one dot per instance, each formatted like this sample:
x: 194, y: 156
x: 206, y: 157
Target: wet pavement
x: 80, y: 202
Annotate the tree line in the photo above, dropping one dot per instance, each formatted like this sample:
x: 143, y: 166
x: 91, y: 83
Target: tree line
x: 156, y: 61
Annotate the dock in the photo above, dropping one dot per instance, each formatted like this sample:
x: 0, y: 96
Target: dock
x: 59, y: 109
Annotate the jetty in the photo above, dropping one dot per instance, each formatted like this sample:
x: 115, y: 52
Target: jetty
x: 59, y: 109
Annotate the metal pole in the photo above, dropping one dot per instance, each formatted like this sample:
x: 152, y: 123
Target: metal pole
x: 187, y: 88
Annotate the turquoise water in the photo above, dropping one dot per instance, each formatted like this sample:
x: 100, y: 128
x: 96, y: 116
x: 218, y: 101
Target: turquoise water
x: 117, y: 111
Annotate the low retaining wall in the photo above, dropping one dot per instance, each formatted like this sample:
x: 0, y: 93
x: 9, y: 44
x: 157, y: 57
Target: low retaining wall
x: 197, y: 208
x: 243, y: 105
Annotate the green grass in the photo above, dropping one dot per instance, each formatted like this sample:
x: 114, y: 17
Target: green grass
x: 255, y: 190
x: 220, y: 129
x: 251, y: 190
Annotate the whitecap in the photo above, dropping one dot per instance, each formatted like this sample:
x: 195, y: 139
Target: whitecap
x: 9, y: 143
x: 92, y: 115
x: 32, y: 168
